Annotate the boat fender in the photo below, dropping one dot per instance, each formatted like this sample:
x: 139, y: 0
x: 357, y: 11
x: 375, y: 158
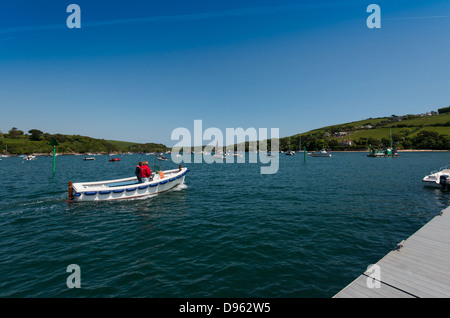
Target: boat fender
x: 131, y: 189
x: 162, y: 182
x: 90, y: 193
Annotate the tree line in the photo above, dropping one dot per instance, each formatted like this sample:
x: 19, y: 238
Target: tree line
x: 36, y: 141
x: 315, y: 141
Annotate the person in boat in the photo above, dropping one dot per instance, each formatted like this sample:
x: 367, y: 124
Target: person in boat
x: 137, y: 172
x: 146, y: 173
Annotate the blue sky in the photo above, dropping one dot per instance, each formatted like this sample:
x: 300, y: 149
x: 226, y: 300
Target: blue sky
x: 136, y: 70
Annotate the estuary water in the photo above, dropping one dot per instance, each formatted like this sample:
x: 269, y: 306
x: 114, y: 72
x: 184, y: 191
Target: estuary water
x: 307, y: 231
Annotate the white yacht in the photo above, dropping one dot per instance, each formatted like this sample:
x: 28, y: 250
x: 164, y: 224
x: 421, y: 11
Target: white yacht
x: 434, y: 178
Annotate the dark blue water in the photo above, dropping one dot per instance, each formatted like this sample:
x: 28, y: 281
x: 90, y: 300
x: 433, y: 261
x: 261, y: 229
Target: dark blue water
x: 307, y: 231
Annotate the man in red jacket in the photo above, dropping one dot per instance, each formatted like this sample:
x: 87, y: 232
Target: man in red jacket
x: 146, y: 173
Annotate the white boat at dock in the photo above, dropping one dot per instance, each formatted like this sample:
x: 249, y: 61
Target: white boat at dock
x: 321, y: 153
x: 126, y: 188
x: 436, y: 178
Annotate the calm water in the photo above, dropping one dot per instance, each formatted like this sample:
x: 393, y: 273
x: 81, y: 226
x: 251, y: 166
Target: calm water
x: 307, y: 231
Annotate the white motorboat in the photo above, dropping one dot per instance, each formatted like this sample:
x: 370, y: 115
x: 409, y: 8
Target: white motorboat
x: 434, y: 178
x: 321, y: 153
x: 127, y: 188
x: 290, y: 153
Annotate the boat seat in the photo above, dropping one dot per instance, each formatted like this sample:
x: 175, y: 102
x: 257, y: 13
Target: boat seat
x: 120, y: 184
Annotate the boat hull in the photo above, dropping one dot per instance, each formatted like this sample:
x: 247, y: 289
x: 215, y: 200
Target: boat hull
x: 432, y: 184
x: 127, y: 188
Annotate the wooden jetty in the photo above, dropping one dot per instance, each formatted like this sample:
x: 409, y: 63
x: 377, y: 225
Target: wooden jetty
x: 418, y: 268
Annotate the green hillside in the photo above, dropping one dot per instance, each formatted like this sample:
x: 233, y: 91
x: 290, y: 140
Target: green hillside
x: 424, y: 131
x: 16, y: 142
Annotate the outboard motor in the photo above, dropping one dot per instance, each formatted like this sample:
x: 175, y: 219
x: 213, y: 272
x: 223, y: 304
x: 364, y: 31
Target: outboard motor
x: 444, y: 181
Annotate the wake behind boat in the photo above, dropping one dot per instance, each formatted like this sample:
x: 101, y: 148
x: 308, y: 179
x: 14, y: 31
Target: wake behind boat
x: 126, y: 188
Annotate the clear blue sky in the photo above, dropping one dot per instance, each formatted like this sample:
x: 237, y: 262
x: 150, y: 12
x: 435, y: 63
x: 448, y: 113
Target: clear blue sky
x: 136, y: 70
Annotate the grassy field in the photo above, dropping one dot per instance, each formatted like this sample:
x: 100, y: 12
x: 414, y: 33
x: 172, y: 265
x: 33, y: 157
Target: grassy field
x: 374, y: 133
x: 423, y: 121
x: 409, y: 127
x: 402, y: 128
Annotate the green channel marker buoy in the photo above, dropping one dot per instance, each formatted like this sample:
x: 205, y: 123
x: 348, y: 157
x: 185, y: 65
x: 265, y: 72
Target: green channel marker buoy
x: 54, y: 143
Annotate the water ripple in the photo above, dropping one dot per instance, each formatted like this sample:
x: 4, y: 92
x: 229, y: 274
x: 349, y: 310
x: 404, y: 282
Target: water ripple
x: 306, y: 231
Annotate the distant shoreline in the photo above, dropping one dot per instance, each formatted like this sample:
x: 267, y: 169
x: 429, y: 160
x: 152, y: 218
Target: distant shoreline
x: 403, y: 150
x: 120, y: 154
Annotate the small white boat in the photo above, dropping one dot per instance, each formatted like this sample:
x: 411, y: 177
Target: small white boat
x: 220, y: 156
x: 321, y: 153
x: 127, y: 188
x: 29, y: 157
x: 88, y: 158
x: 434, y: 178
x: 290, y: 153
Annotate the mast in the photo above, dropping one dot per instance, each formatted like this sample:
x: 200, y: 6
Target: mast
x: 390, y: 136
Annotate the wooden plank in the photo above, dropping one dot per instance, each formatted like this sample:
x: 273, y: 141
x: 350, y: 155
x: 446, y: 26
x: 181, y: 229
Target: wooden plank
x: 359, y: 289
x: 409, y: 281
x: 419, y: 268
x: 417, y: 260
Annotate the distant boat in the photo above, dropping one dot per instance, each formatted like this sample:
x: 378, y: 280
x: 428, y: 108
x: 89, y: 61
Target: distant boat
x: 88, y: 158
x: 437, y: 179
x: 290, y: 152
x: 321, y: 153
x: 218, y: 153
x: 29, y: 157
x: 220, y: 156
x: 114, y: 159
x: 383, y: 153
